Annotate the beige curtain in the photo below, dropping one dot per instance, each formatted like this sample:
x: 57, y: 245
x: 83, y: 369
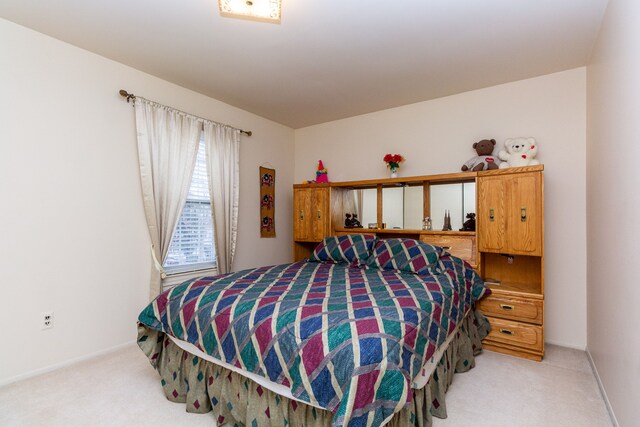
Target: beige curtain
x: 167, y: 148
x: 222, y: 145
x: 352, y: 203
x: 359, y: 196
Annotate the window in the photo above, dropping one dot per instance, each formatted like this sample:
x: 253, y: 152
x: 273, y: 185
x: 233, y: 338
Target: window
x: 192, y: 245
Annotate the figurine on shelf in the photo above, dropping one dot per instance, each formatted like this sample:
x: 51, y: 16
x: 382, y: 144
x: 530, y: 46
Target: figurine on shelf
x: 470, y: 223
x: 351, y: 221
x: 447, y: 221
x: 426, y: 223
x: 321, y: 174
x: 348, y: 222
x: 354, y: 221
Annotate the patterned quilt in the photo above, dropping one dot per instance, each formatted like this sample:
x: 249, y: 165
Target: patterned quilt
x: 350, y: 340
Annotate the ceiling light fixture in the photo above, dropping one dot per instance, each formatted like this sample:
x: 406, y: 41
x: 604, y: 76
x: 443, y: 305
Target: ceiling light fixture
x: 257, y: 10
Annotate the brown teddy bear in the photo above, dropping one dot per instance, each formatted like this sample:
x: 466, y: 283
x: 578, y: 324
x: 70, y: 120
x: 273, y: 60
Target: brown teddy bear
x: 484, y: 160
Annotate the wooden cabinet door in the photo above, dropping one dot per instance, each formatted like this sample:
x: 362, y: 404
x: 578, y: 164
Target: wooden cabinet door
x: 510, y: 213
x: 311, y: 220
x: 492, y: 192
x: 524, y: 222
x: 301, y: 214
x: 320, y: 214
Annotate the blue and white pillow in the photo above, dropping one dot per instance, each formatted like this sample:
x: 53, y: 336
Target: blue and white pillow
x: 351, y: 248
x: 406, y: 255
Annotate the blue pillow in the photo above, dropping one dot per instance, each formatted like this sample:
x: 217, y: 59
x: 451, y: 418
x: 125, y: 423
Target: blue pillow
x: 407, y: 255
x: 351, y: 248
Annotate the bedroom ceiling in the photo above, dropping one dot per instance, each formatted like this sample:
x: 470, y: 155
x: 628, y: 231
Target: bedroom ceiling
x: 328, y: 59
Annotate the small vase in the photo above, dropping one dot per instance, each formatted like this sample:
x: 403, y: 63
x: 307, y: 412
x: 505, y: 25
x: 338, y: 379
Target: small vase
x: 394, y: 173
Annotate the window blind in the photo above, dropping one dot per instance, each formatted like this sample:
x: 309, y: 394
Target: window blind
x: 192, y: 244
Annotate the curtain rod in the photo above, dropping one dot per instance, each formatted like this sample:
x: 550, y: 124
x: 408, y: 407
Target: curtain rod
x: 132, y: 97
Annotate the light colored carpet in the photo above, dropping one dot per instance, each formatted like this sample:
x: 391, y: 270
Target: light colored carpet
x: 122, y: 389
x: 560, y: 391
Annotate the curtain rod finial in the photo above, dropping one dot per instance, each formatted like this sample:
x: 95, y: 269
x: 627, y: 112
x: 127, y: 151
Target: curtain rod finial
x: 127, y: 95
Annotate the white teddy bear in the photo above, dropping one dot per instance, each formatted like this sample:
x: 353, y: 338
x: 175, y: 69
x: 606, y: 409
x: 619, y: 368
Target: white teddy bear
x: 520, y: 152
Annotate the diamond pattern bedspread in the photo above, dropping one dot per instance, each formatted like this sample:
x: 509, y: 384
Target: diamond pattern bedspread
x: 350, y: 340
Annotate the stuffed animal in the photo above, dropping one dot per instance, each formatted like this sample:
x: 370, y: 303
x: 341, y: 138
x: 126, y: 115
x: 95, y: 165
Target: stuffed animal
x: 519, y: 152
x: 484, y: 160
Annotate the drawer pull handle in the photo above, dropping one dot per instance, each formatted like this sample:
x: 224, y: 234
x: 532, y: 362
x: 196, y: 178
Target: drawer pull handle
x: 319, y: 214
x: 523, y: 214
x: 301, y: 215
x: 506, y: 307
x: 506, y: 332
x: 446, y: 248
x: 491, y: 215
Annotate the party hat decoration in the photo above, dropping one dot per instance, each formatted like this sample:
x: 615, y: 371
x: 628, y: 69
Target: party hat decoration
x: 321, y: 173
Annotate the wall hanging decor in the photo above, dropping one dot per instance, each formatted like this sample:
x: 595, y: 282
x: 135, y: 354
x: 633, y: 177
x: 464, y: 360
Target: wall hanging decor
x: 267, y: 202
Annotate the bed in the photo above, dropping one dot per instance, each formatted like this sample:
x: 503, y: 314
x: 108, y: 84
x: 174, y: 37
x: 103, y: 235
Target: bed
x: 366, y: 332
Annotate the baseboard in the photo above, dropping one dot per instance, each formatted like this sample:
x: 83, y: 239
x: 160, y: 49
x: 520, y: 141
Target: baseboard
x: 602, y: 390
x: 565, y: 345
x: 57, y: 366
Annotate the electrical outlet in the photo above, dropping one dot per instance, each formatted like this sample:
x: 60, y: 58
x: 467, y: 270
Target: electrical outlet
x: 47, y: 320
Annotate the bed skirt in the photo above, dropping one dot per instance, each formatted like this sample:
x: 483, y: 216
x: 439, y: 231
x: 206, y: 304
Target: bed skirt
x: 238, y: 401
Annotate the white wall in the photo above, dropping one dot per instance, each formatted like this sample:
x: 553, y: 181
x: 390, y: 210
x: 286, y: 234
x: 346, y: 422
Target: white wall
x: 436, y: 137
x: 73, y: 237
x: 613, y: 205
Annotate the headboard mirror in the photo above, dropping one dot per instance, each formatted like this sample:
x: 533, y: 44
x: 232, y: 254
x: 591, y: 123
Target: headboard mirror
x: 403, y: 206
x: 459, y: 199
x: 369, y: 213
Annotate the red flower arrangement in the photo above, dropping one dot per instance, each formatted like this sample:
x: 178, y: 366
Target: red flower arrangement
x: 393, y: 161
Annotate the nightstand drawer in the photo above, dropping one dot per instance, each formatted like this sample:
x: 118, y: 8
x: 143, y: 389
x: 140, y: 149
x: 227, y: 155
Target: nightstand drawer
x: 523, y: 309
x: 463, y: 247
x: 516, y: 334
